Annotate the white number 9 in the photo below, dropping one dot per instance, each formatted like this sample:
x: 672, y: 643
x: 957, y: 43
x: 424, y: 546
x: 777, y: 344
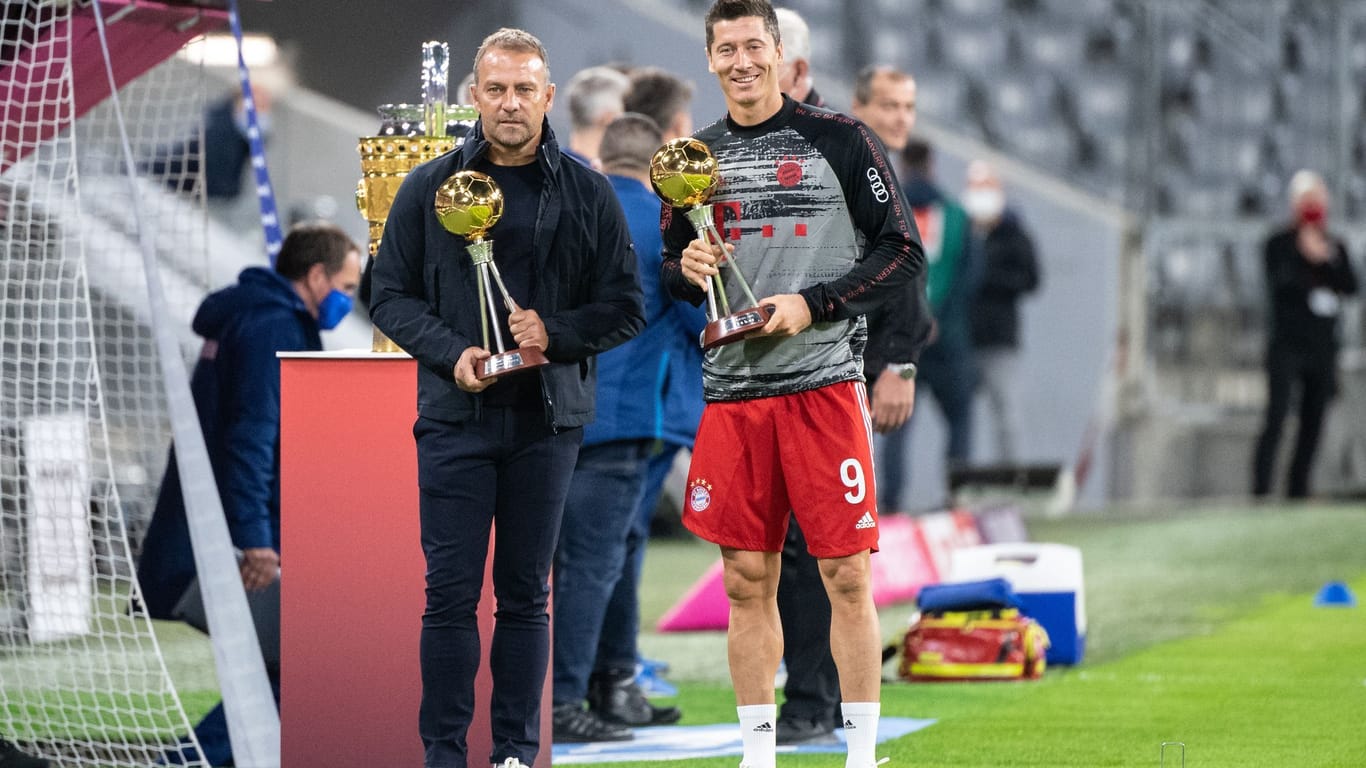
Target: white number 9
x: 851, y: 474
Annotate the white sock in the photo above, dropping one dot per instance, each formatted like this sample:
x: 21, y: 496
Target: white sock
x: 758, y: 734
x: 860, y: 732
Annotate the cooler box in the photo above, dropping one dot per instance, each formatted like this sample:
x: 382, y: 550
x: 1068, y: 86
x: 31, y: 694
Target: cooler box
x: 1047, y: 579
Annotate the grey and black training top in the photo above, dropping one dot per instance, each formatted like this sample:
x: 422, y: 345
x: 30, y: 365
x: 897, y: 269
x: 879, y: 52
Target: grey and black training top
x: 809, y: 201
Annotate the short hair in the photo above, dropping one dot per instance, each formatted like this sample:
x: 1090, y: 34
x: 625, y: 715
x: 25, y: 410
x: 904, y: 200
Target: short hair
x: 730, y: 10
x: 510, y: 39
x: 796, y: 34
x: 863, y: 81
x: 314, y: 242
x: 1302, y: 183
x: 629, y: 142
x: 658, y: 94
x: 919, y: 157
x: 592, y: 92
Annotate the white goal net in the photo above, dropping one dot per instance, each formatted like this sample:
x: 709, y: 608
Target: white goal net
x: 83, y: 429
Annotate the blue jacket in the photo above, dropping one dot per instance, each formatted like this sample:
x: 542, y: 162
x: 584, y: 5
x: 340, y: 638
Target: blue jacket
x: 651, y: 386
x: 236, y: 387
x: 585, y: 287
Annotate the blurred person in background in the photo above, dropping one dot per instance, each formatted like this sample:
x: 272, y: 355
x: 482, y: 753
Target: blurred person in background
x: 595, y: 99
x: 600, y: 511
x: 236, y: 388
x: 794, y: 75
x: 224, y: 153
x: 1308, y: 274
x: 1009, y: 270
x: 666, y: 99
x: 884, y: 99
x: 946, y: 368
x: 663, y: 97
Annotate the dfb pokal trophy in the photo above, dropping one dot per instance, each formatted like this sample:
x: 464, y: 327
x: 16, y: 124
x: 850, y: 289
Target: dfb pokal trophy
x: 409, y: 135
x: 468, y: 204
x: 684, y: 175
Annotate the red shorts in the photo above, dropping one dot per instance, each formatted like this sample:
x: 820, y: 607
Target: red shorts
x: 809, y: 453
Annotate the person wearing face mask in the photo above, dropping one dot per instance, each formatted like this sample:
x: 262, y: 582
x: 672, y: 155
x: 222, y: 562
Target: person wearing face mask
x: 1307, y: 274
x: 236, y: 388
x: 1008, y: 271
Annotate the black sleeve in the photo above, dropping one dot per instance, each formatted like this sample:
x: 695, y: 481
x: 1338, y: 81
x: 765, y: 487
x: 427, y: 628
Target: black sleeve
x: 615, y: 310
x: 677, y: 232
x: 1344, y: 280
x: 893, y: 255
x: 898, y: 330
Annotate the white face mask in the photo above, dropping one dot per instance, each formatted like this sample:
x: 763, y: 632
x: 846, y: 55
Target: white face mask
x: 984, y: 203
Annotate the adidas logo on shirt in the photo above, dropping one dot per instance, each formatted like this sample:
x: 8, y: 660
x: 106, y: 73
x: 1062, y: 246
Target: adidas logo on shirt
x: 764, y: 727
x: 866, y: 521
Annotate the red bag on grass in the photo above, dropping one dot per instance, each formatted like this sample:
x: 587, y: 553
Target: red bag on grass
x: 998, y: 644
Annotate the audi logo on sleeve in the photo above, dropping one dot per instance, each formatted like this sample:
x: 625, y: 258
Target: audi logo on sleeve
x: 877, y: 186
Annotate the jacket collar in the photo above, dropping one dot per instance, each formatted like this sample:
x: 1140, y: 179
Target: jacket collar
x: 476, y: 145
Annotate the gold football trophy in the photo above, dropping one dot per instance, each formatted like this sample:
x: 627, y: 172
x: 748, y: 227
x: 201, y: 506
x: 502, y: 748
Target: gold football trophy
x: 684, y: 174
x: 468, y: 204
x: 409, y: 135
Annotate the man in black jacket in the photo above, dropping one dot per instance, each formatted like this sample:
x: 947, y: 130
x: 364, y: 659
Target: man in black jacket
x: 1307, y: 275
x: 501, y: 450
x: 1009, y: 270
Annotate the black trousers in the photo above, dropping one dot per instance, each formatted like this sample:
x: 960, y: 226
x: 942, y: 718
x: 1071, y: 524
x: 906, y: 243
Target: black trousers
x: 812, y: 692
x: 506, y: 471
x: 1316, y: 378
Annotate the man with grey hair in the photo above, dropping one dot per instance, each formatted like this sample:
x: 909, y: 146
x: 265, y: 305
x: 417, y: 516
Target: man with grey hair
x: 1307, y: 276
x: 595, y: 99
x: 495, y: 455
x: 794, y: 76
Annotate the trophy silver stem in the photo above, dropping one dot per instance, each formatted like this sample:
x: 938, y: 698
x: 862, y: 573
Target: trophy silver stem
x: 700, y: 218
x: 483, y: 316
x: 492, y: 307
x: 498, y: 280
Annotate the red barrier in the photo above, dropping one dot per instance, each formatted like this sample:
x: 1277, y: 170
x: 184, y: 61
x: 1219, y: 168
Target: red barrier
x: 352, y: 569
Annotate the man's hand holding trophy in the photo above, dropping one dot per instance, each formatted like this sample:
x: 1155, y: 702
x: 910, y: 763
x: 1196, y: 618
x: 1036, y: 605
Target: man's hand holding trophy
x: 684, y: 175
x: 468, y: 204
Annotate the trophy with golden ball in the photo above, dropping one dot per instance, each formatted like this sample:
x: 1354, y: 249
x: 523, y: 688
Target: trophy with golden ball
x: 684, y: 175
x: 468, y: 204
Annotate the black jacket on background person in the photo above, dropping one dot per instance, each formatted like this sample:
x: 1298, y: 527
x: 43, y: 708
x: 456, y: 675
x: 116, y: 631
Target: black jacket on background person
x: 423, y: 292
x: 1009, y: 270
x: 1291, y: 279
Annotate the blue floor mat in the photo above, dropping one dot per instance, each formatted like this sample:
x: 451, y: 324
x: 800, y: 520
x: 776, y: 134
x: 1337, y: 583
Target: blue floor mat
x: 685, y: 742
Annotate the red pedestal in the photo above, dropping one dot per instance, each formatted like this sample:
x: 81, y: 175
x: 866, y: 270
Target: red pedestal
x: 353, y: 572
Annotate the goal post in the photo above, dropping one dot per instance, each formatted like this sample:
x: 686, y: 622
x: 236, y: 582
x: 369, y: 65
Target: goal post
x: 84, y: 431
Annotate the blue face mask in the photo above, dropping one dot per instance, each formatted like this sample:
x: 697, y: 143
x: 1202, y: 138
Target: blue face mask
x: 334, y: 307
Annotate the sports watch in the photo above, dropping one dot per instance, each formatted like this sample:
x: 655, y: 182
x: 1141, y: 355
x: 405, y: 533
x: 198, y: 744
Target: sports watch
x: 904, y: 370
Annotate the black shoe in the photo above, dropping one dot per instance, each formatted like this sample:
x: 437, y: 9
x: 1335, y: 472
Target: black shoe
x: 11, y: 757
x: 616, y: 698
x: 571, y: 723
x: 792, y: 730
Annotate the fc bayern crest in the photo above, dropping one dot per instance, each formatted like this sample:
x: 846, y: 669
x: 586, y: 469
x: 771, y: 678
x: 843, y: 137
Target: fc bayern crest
x: 789, y: 171
x: 699, y: 495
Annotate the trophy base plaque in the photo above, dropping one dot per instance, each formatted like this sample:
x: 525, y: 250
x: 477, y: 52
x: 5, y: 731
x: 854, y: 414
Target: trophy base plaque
x: 512, y: 361
x: 735, y: 326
